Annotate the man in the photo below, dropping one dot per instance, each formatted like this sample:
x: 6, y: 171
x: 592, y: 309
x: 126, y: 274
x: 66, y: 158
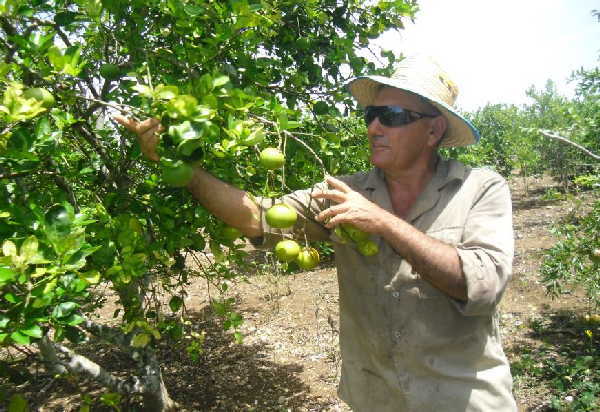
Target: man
x: 418, y: 321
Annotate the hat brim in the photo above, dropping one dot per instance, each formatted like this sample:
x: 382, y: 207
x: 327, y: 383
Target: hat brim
x: 460, y: 131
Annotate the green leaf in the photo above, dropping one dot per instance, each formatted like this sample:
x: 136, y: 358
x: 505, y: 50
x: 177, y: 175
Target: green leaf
x: 220, y: 81
x: 74, y: 319
x: 29, y: 249
x: 34, y: 331
x: 19, y: 338
x: 92, y: 277
x: 110, y: 399
x: 64, y: 309
x: 144, y: 90
x: 7, y: 274
x: 165, y: 92
x: 9, y: 248
x: 182, y: 106
x: 175, y: 303
x: 10, y: 297
x: 193, y: 10
x: 140, y: 340
x: 18, y: 403
x: 43, y: 301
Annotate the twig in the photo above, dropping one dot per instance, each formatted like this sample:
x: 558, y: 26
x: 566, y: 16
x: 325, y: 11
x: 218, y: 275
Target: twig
x: 21, y: 174
x: 565, y: 140
x: 262, y: 119
x: 123, y: 108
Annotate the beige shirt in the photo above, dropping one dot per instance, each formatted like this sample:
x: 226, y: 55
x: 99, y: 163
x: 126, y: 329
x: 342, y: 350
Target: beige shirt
x: 405, y: 345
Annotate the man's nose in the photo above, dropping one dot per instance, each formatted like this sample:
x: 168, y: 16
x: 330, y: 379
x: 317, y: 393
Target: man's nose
x: 375, y: 128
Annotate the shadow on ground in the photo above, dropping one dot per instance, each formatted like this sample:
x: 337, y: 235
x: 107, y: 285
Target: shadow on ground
x: 226, y: 376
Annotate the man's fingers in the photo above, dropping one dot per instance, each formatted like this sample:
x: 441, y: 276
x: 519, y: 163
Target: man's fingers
x: 129, y: 124
x: 331, y: 212
x: 338, y: 184
x: 149, y: 125
x: 140, y: 128
x: 334, y: 195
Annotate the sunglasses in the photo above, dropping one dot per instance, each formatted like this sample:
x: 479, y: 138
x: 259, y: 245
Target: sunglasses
x: 393, y: 116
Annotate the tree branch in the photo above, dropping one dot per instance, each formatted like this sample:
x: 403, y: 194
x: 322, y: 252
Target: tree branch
x: 565, y: 140
x: 107, y: 333
x: 80, y: 365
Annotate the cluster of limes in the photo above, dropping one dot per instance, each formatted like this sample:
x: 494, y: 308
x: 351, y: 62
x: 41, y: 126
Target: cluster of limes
x: 348, y: 233
x: 283, y: 216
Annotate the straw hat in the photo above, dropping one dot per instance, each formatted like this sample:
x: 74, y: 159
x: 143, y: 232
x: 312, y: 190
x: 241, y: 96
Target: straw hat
x: 421, y: 75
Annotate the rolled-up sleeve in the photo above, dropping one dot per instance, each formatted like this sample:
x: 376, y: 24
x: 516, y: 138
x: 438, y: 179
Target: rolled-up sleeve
x: 305, y: 227
x: 487, y: 247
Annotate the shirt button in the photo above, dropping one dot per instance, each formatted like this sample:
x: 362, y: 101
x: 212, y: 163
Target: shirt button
x: 396, y: 295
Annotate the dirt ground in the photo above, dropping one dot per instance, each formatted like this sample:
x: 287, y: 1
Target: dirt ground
x: 289, y: 359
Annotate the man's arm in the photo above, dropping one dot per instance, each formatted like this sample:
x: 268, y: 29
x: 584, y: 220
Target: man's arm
x: 230, y: 204
x: 435, y: 261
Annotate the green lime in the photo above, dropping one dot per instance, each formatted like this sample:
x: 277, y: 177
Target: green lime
x: 368, y: 248
x: 230, y: 233
x: 355, y: 234
x: 271, y: 158
x: 281, y: 216
x: 287, y: 250
x: 308, y: 258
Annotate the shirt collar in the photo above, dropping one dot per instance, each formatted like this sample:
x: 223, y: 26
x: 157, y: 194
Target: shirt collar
x: 447, y: 171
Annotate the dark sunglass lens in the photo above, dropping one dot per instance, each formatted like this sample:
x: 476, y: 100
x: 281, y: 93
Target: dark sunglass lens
x: 371, y: 113
x: 393, y: 116
x: 389, y: 116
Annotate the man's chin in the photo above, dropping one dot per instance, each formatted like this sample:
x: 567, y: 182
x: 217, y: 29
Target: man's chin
x: 378, y: 161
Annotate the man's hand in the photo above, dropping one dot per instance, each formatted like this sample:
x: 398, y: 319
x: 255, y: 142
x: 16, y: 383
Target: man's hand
x: 352, y: 207
x: 147, y: 134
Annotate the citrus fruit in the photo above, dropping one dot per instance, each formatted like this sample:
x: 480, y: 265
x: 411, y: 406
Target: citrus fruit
x: 110, y: 71
x: 368, y: 248
x: 281, y: 216
x: 230, y: 233
x: 342, y: 234
x: 177, y: 174
x: 41, y: 95
x: 308, y: 258
x: 271, y: 158
x: 354, y: 233
x: 287, y: 250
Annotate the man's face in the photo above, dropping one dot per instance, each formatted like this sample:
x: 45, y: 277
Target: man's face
x: 399, y: 149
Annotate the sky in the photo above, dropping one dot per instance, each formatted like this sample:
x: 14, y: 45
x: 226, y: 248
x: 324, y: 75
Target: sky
x: 496, y: 49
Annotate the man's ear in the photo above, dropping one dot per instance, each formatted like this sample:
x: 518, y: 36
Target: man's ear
x: 437, y: 128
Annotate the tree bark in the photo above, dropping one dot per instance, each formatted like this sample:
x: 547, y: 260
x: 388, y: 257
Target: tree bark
x: 150, y: 385
x: 565, y: 140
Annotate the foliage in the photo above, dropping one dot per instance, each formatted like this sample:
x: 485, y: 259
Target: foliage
x: 571, y: 261
x: 499, y: 126
x: 224, y: 78
x: 565, y: 365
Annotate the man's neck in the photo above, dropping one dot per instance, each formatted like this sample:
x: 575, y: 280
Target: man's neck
x: 414, y: 179
x: 405, y: 186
